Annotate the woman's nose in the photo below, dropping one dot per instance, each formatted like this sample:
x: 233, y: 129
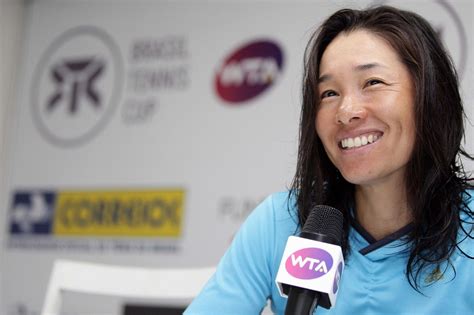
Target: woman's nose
x: 350, y: 111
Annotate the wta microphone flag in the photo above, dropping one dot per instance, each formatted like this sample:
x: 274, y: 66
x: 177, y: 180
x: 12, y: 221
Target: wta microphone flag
x: 311, y: 265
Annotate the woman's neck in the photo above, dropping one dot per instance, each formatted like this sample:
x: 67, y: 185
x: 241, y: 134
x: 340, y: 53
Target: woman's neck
x: 382, y: 209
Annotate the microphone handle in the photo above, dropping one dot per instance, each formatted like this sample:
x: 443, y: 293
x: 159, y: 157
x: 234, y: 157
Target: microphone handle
x: 301, y: 301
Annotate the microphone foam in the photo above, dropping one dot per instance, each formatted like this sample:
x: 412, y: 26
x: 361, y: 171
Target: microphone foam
x: 325, y: 220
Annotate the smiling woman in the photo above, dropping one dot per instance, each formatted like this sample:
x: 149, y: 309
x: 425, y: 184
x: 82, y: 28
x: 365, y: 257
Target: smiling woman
x: 380, y: 133
x: 383, y: 74
x: 366, y: 92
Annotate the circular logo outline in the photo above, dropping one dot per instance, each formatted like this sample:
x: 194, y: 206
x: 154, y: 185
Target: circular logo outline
x: 114, y: 49
x: 462, y: 33
x: 463, y: 53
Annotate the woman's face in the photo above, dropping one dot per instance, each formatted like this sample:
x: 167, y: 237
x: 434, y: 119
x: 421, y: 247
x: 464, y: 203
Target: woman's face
x: 365, y: 119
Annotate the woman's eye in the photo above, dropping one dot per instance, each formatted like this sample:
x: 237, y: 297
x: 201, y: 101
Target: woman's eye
x: 373, y: 82
x: 328, y: 93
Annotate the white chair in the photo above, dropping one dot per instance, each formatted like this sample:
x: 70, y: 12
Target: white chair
x: 129, y: 282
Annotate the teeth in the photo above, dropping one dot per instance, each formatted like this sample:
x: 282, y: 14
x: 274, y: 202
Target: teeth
x: 357, y: 142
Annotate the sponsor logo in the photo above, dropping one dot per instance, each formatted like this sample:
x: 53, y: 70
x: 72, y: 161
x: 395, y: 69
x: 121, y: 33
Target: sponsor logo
x: 31, y: 212
x: 309, y: 263
x: 157, y: 68
x: 249, y: 71
x: 232, y: 209
x: 75, y: 80
x: 444, y: 18
x: 76, y: 86
x: 337, y: 278
x: 147, y: 213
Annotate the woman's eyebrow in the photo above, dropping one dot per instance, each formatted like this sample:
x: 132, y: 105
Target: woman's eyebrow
x: 368, y: 66
x: 362, y: 67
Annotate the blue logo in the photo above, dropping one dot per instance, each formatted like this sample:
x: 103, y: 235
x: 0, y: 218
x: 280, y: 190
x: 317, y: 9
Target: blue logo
x: 31, y: 212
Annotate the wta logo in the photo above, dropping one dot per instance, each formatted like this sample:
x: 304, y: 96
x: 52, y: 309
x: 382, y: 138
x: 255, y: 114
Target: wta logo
x: 249, y: 71
x: 309, y: 263
x: 337, y: 278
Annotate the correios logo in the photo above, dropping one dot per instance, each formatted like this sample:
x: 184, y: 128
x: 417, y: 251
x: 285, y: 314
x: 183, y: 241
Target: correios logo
x: 76, y: 86
x: 248, y: 71
x: 32, y: 212
x: 309, y: 263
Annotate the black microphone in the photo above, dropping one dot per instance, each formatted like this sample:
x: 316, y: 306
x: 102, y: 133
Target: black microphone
x: 305, y: 285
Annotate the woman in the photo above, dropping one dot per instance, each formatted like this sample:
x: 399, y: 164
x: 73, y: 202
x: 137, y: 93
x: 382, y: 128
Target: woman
x: 380, y: 133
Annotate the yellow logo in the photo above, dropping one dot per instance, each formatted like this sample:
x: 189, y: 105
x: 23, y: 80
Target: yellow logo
x: 144, y: 213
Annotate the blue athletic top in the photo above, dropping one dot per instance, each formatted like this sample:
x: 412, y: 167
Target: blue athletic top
x: 373, y: 281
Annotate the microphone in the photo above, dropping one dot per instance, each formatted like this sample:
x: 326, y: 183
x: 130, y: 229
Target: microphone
x: 312, y: 263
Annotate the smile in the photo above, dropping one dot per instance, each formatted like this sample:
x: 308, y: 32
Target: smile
x: 360, y: 141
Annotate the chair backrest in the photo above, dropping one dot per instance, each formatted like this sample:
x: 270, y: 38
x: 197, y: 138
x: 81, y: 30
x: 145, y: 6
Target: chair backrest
x: 133, y: 282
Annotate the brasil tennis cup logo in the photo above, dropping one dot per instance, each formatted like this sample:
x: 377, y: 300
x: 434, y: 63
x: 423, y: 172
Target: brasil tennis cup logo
x: 76, y: 85
x: 248, y: 71
x: 309, y: 263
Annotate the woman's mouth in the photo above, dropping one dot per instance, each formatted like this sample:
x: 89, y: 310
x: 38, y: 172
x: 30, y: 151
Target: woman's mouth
x: 360, y: 141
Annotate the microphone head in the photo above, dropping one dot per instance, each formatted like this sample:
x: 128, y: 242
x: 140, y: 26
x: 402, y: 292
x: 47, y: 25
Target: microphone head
x: 325, y: 220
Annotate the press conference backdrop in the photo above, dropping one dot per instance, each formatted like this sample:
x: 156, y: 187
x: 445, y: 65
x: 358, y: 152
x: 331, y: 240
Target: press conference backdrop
x: 144, y: 132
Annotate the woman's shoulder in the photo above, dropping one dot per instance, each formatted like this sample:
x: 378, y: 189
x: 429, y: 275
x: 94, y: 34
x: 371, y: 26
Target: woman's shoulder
x: 277, y: 213
x: 282, y: 205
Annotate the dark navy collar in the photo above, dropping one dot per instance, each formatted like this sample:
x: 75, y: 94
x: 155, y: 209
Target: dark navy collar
x: 373, y: 243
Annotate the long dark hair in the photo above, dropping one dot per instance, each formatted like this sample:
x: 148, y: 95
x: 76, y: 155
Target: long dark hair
x: 436, y: 182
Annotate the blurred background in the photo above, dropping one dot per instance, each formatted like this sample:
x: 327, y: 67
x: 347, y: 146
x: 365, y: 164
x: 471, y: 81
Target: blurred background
x: 142, y: 133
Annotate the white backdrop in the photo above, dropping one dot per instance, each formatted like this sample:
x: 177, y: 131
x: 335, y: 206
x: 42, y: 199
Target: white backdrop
x: 117, y: 105
x: 11, y: 21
